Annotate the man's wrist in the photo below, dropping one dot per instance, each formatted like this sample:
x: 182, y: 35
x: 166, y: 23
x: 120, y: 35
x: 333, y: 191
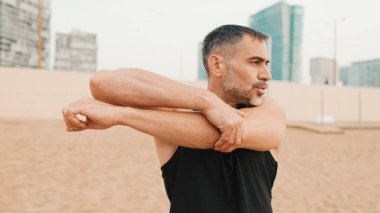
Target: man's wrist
x: 207, y: 100
x: 124, y: 115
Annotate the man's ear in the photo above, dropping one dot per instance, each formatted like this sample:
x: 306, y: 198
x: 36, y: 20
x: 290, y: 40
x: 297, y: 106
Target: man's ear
x: 216, y: 65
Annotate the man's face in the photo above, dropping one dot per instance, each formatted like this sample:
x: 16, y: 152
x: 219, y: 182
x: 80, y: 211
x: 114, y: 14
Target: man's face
x: 247, y: 72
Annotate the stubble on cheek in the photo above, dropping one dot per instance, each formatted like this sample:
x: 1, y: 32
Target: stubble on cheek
x: 234, y: 88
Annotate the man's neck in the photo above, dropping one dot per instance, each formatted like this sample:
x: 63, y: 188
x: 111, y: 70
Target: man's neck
x: 218, y: 90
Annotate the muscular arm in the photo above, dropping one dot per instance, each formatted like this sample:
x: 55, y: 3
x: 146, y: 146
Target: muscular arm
x: 264, y: 126
x: 188, y: 129
x: 140, y: 88
x: 143, y: 89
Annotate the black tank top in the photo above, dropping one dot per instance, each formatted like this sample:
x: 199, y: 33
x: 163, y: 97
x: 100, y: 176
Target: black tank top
x: 207, y: 181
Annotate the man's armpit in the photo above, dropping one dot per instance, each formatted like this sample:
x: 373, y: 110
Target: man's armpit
x: 164, y: 150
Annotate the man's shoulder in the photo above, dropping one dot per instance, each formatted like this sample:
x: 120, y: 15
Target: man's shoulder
x: 271, y: 102
x: 270, y: 110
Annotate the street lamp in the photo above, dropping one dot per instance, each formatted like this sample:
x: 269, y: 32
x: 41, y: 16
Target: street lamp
x: 335, y: 74
x: 39, y: 34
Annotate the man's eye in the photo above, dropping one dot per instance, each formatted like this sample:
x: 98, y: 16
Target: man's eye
x: 256, y: 62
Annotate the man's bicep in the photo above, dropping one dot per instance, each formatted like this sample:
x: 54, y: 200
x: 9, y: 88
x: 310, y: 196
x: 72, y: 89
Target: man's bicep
x: 264, y: 126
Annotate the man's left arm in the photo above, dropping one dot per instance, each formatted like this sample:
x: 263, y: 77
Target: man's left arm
x: 264, y: 128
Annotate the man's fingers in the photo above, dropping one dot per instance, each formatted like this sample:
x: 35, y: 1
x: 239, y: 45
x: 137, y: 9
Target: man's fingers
x: 222, y: 140
x: 217, y: 144
x: 75, y: 129
x: 73, y: 124
x: 71, y: 120
x: 74, y: 119
x: 69, y: 129
x: 226, y: 148
x: 68, y: 125
x: 223, y: 146
x: 223, y: 143
x: 231, y: 140
x: 64, y: 115
x: 82, y: 124
x: 240, y: 113
x: 230, y: 149
x: 238, y: 136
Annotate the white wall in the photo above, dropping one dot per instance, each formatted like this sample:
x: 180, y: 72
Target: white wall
x: 29, y: 93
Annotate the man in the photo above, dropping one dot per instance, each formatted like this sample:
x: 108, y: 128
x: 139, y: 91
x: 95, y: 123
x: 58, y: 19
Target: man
x: 217, y: 147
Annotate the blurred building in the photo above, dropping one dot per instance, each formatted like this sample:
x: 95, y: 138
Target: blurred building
x: 322, y: 70
x: 362, y: 73
x: 76, y: 51
x: 202, y: 73
x: 284, y: 24
x: 18, y: 33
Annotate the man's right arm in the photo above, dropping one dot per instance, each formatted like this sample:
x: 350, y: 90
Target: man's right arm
x: 140, y: 88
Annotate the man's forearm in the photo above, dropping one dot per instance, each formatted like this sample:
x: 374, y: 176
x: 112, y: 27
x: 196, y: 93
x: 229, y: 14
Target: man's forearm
x: 188, y: 129
x: 140, y: 88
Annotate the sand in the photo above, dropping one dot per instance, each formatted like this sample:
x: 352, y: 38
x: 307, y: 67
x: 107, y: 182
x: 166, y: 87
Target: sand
x: 45, y: 169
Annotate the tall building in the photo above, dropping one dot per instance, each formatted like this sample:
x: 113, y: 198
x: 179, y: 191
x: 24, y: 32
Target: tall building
x: 322, y: 70
x: 76, y: 51
x: 284, y: 24
x: 362, y: 73
x: 18, y: 33
x: 202, y: 73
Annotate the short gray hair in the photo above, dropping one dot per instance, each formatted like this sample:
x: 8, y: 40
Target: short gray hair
x: 226, y: 34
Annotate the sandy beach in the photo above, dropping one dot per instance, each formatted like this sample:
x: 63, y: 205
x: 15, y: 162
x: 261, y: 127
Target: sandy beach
x: 45, y: 169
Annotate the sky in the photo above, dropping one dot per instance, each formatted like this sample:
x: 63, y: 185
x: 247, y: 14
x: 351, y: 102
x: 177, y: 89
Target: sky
x: 163, y: 36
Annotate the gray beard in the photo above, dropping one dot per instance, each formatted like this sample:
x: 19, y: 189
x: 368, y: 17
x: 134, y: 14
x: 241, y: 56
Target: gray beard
x: 232, y: 88
x: 257, y: 101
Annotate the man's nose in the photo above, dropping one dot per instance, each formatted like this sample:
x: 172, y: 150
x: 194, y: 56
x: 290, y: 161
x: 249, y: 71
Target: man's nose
x: 265, y: 74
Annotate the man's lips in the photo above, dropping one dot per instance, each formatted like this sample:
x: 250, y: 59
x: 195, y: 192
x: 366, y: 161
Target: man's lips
x: 263, y: 87
x: 262, y: 90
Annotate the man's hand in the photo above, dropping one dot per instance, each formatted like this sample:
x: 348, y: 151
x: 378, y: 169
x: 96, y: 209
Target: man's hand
x: 227, y: 119
x: 98, y: 115
x: 232, y: 133
x: 225, y: 147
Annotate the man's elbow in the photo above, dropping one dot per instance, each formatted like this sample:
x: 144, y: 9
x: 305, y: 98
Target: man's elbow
x: 279, y: 132
x: 278, y: 138
x: 96, y: 83
x: 282, y: 126
x: 280, y: 122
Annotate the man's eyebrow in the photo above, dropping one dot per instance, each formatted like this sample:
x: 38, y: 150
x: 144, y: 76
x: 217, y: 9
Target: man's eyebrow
x: 258, y: 58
